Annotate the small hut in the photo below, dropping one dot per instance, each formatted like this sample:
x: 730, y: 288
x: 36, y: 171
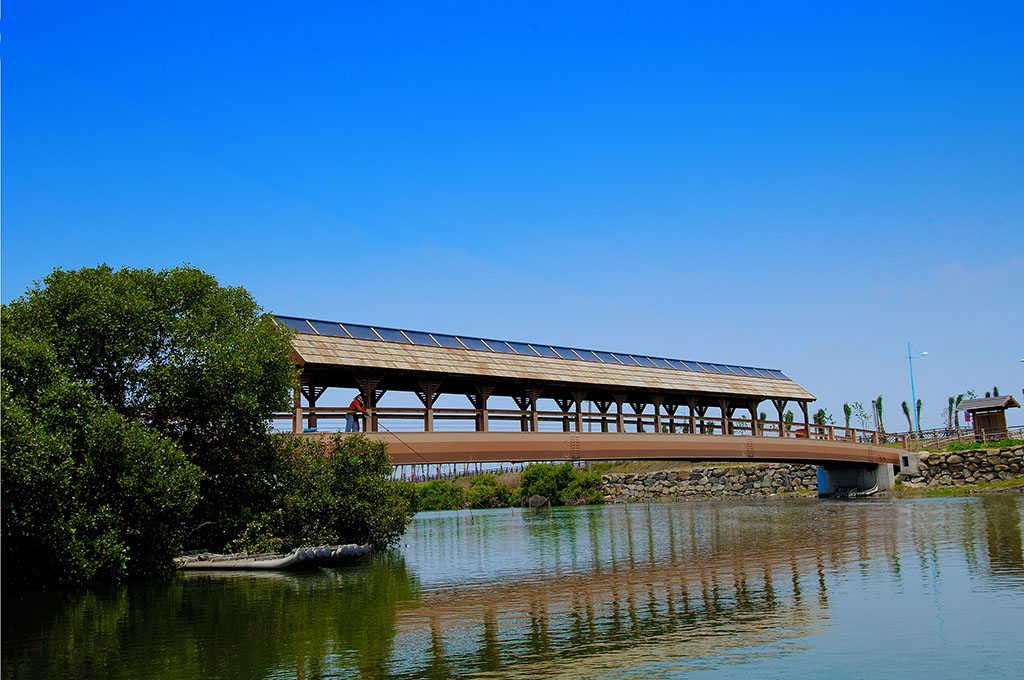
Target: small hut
x: 989, y: 416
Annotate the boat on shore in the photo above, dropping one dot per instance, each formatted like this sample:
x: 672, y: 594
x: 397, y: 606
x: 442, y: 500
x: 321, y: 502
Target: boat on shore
x: 319, y: 556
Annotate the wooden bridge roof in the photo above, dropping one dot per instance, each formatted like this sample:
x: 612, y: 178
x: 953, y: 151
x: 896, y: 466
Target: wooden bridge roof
x: 329, y: 352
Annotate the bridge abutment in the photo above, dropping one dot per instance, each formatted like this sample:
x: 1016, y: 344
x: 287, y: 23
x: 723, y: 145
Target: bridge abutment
x: 852, y: 479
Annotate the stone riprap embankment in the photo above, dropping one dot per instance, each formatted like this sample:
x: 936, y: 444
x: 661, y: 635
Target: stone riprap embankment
x: 960, y: 468
x: 766, y: 479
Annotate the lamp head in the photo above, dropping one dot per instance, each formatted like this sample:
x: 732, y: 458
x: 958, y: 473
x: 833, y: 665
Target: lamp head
x: 924, y: 354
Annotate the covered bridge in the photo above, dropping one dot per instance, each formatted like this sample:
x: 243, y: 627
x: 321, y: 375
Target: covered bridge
x: 662, y: 393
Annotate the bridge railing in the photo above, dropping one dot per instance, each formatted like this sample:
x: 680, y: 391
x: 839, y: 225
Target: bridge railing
x: 416, y: 419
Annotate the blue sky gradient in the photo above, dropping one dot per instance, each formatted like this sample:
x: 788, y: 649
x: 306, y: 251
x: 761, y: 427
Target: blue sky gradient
x: 790, y: 185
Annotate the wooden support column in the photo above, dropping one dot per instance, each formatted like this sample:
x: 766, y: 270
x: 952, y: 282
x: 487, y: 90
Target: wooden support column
x: 371, y: 395
x: 620, y: 425
x: 807, y: 419
x: 534, y: 394
x: 657, y: 401
x: 691, y: 404
x: 564, y: 405
x: 780, y: 406
x: 671, y: 409
x: 428, y: 393
x: 727, y: 411
x: 755, y: 430
x: 701, y: 412
x: 524, y: 405
x: 297, y: 412
x: 638, y: 408
x: 578, y: 398
x: 312, y: 394
x: 602, y: 407
x: 479, y: 401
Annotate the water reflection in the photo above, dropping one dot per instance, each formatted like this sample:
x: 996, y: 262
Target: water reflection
x: 612, y: 591
x: 212, y: 625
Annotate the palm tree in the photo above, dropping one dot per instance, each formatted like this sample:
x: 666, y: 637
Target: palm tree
x: 956, y: 420
x: 847, y: 411
x: 878, y: 410
x: 919, y: 416
x: 906, y: 412
x: 949, y: 414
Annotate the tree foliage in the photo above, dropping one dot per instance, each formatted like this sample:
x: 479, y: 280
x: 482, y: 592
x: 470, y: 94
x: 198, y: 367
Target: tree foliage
x: 118, y: 388
x: 561, y: 484
x: 485, y: 491
x: 332, y: 491
x: 439, y: 494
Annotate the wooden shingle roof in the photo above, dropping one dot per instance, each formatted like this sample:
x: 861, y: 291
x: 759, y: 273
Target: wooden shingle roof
x: 341, y: 351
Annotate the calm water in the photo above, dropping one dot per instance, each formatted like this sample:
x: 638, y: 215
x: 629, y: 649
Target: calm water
x: 929, y: 588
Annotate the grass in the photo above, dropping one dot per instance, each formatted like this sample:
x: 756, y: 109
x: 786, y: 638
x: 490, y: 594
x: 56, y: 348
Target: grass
x: 969, y: 446
x: 954, y: 491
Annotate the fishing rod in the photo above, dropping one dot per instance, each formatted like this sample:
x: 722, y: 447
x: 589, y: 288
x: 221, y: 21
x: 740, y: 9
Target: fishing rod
x: 408, y: 446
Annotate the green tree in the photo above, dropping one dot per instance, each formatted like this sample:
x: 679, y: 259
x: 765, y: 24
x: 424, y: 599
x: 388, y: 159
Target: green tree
x: 174, y: 363
x: 861, y: 414
x: 485, y: 491
x: 439, y: 494
x: 332, y: 491
x: 87, y: 494
x: 918, y: 413
x: 561, y: 484
x: 847, y: 411
x: 906, y: 412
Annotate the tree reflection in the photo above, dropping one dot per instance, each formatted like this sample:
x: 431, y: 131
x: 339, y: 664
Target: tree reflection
x: 212, y: 625
x: 512, y: 595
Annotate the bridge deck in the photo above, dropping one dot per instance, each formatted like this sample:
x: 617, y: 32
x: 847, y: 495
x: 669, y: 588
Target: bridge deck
x: 414, y: 448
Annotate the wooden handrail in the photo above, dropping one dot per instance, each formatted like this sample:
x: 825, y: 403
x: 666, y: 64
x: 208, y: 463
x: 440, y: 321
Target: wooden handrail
x: 680, y: 423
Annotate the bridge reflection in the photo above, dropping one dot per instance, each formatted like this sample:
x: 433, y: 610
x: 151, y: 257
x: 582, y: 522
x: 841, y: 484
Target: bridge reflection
x: 653, y: 590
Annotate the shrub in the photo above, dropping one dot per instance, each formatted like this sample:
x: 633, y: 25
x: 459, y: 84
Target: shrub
x: 439, y: 494
x: 561, y: 484
x: 87, y: 494
x: 331, y: 491
x: 172, y: 351
x: 485, y: 491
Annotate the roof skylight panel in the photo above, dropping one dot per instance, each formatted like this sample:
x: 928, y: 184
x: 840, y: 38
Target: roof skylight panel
x: 361, y: 332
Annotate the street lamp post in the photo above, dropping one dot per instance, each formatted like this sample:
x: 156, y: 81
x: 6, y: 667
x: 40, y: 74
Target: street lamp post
x: 913, y: 396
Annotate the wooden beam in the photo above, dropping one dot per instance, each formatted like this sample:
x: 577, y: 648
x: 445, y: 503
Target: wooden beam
x: 428, y: 394
x: 620, y: 425
x: 371, y: 395
x: 312, y: 394
x: 564, y: 405
x: 638, y: 408
x: 479, y: 401
x: 297, y: 412
x: 671, y: 409
x: 602, y: 407
x: 523, y: 402
x: 578, y: 398
x: 534, y: 394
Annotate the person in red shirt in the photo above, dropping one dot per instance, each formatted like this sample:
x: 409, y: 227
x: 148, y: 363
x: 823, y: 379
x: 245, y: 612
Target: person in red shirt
x: 355, y: 408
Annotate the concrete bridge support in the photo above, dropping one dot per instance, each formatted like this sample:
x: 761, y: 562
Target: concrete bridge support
x: 852, y: 479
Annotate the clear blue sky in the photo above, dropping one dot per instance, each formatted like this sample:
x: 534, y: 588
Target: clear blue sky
x: 789, y: 185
